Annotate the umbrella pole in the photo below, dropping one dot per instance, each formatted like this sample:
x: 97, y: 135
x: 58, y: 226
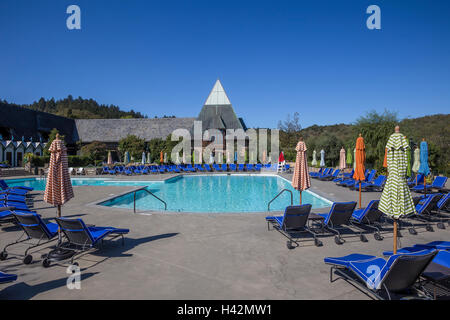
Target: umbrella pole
x: 395, y: 236
x: 59, y: 216
x: 360, y: 194
x: 424, y: 185
x: 300, y: 197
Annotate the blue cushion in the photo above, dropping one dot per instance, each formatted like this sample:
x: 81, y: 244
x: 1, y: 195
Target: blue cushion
x: 4, y: 277
x: 345, y: 260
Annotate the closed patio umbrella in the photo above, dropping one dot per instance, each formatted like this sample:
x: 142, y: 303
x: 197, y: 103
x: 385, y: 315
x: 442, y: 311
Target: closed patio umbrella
x: 360, y: 159
x: 110, y: 162
x: 314, y: 159
x: 211, y: 158
x: 349, y: 157
x: 396, y: 200
x: 301, y: 180
x: 149, y: 158
x: 58, y: 189
x: 235, y: 156
x: 165, y: 157
x: 322, y: 158
x: 143, y: 158
x: 408, y: 163
x: 161, y: 158
x: 424, y: 168
x: 342, y: 159
x: 127, y: 158
x: 264, y: 157
x: 416, y: 163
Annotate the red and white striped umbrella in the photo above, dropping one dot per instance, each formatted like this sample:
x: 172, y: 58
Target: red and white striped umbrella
x: 342, y: 159
x: 59, y: 187
x: 301, y: 180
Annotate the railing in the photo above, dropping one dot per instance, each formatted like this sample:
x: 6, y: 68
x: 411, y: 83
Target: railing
x: 292, y: 198
x: 149, y: 192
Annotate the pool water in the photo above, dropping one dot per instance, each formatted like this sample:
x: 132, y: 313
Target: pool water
x: 199, y: 193
x: 218, y: 194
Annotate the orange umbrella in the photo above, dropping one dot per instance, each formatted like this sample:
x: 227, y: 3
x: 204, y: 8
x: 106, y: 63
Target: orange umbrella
x: 360, y: 158
x: 301, y: 180
x: 161, y: 158
x: 58, y: 189
x: 385, y: 158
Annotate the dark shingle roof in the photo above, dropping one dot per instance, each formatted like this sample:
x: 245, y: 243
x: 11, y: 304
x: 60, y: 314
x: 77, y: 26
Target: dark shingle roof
x: 28, y: 123
x: 112, y: 130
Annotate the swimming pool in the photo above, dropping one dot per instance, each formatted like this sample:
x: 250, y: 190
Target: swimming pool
x: 218, y: 194
x: 199, y: 193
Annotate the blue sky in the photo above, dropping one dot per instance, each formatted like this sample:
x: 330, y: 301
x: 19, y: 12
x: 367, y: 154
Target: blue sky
x: 273, y: 57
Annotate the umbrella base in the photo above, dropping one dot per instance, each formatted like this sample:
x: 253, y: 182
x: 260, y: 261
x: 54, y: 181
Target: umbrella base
x: 59, y: 254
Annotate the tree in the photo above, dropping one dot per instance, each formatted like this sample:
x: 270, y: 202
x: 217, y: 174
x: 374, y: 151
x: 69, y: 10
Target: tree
x: 376, y: 129
x: 133, y: 144
x: 290, y: 125
x: 95, y: 150
x: 51, y: 137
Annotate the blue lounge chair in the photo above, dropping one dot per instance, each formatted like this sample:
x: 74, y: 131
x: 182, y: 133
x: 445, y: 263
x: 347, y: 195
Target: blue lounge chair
x: 369, y: 179
x: 12, y: 197
x: 330, y: 176
x: 293, y: 222
x: 5, y: 277
x: 233, y: 167
x: 258, y: 167
x: 424, y: 212
x: 224, y: 167
x: 443, y: 205
x: 207, y: 167
x: 340, y: 215
x: 318, y: 174
x: 382, y: 278
x: 4, y: 186
x: 217, y: 167
x: 438, y: 183
x: 105, y: 170
x: 417, y: 181
x: 250, y: 167
x: 375, y: 185
x: 6, y: 214
x: 352, y: 182
x: 81, y: 238
x: 17, y: 205
x: 312, y: 174
x: 438, y: 271
x: 344, y: 176
x: 241, y: 167
x: 128, y: 171
x: 34, y: 228
x: 370, y: 217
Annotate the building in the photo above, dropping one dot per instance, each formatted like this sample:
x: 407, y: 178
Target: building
x: 216, y: 113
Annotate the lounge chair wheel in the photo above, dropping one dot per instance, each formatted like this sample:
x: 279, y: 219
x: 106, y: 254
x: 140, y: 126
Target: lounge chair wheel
x: 3, y: 255
x: 46, y: 263
x: 363, y: 238
x: 412, y: 231
x: 429, y: 228
x: 338, y: 240
x: 378, y: 237
x: 441, y: 225
x: 318, y: 243
x: 28, y: 259
x: 289, y: 245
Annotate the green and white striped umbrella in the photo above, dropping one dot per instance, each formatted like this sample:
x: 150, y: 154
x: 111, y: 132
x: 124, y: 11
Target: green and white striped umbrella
x: 396, y: 199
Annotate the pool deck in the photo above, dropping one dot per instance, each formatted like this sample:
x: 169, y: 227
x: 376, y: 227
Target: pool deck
x: 193, y: 256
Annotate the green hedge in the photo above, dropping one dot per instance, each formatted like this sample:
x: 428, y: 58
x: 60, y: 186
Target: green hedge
x: 74, y: 161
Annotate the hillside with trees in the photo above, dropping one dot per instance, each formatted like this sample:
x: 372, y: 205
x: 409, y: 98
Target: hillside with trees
x: 375, y: 128
x: 79, y: 109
